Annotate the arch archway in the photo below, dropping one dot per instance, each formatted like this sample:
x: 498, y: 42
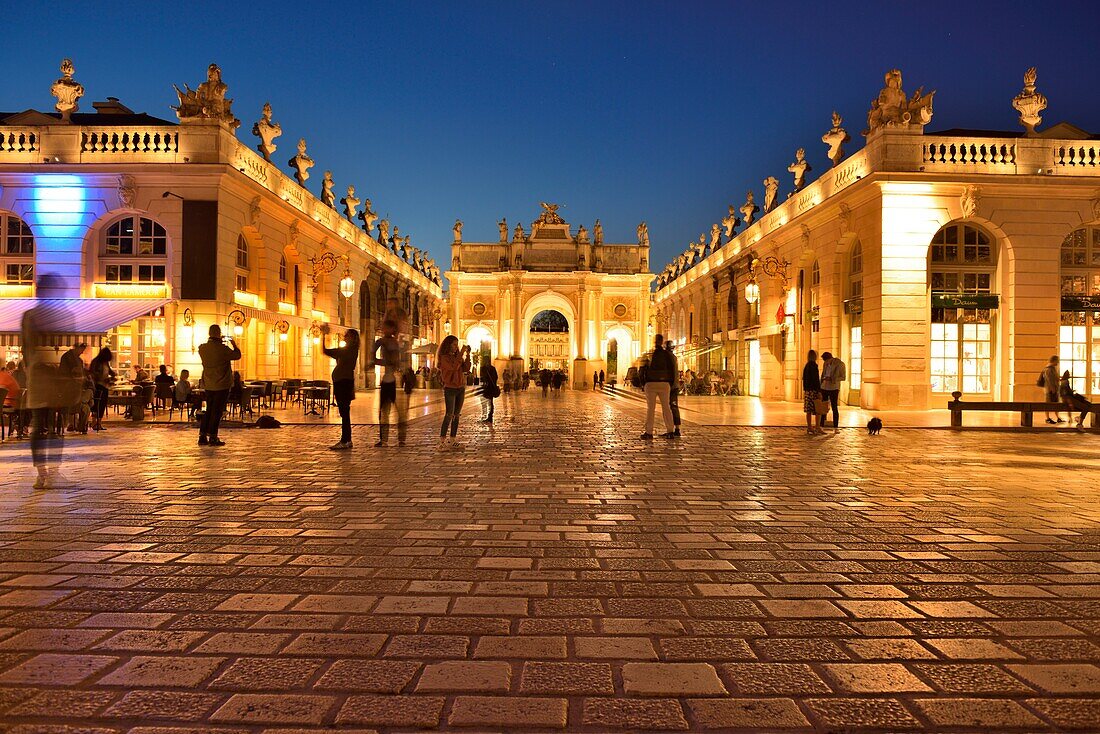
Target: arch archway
x: 549, y: 301
x: 620, y: 352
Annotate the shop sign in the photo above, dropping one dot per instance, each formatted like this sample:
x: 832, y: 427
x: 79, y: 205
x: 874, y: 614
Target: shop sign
x: 1080, y: 303
x: 965, y: 300
x: 853, y: 305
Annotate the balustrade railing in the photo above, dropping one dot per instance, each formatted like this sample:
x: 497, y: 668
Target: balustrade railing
x: 18, y: 141
x: 1083, y: 155
x: 968, y: 153
x: 120, y: 140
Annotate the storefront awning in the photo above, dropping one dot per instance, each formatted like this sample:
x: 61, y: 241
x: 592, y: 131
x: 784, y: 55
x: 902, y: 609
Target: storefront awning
x: 69, y: 320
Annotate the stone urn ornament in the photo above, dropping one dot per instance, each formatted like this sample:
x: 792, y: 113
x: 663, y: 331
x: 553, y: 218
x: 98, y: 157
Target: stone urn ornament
x: 1029, y: 103
x: 67, y: 91
x: 301, y: 163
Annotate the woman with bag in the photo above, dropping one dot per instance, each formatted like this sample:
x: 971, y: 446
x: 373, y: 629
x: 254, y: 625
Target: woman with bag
x: 343, y: 381
x: 453, y: 363
x: 812, y: 402
x: 489, y: 390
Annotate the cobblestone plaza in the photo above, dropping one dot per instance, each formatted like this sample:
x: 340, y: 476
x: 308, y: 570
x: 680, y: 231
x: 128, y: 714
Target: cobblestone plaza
x: 556, y: 574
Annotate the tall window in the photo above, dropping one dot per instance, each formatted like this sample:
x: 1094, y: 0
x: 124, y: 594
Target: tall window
x: 731, y: 308
x: 1079, y: 331
x: 962, y: 266
x: 815, y: 297
x: 16, y: 250
x: 134, y: 250
x: 854, y: 307
x: 243, y: 267
x: 283, y: 284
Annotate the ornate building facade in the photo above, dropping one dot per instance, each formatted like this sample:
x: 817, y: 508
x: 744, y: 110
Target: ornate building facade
x: 930, y: 262
x: 602, y: 290
x: 158, y: 229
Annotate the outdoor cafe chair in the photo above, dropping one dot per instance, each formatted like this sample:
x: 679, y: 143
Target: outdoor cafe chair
x: 163, y: 395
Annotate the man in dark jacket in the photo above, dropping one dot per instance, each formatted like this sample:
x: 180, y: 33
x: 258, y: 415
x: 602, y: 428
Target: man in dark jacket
x: 217, y: 377
x: 489, y: 389
x: 660, y: 375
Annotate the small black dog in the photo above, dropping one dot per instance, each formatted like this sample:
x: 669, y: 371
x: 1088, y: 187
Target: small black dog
x: 874, y: 426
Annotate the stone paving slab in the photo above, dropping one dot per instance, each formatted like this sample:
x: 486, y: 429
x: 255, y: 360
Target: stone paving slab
x: 556, y: 575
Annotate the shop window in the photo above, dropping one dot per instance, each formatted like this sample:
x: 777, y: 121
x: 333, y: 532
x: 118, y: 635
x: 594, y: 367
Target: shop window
x: 854, y: 308
x: 1079, y: 328
x: 815, y: 297
x: 962, y: 263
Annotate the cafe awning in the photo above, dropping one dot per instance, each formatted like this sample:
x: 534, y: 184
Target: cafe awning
x: 69, y: 320
x: 425, y: 349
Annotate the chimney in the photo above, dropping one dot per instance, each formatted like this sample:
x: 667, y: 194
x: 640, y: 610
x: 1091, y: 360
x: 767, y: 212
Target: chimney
x: 112, y: 107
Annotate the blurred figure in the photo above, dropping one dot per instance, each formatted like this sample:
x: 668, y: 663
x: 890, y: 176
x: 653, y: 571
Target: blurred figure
x: 343, y: 382
x: 163, y: 378
x: 8, y: 382
x: 102, y: 379
x: 1074, y: 401
x: 659, y: 376
x: 489, y: 390
x: 674, y: 390
x: 217, y: 376
x: 49, y: 316
x: 388, y: 353
x: 140, y: 375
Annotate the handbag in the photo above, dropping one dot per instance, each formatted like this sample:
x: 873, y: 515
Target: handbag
x: 821, y: 406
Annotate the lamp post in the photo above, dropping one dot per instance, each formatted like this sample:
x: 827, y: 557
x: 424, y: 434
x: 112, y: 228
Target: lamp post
x: 326, y: 262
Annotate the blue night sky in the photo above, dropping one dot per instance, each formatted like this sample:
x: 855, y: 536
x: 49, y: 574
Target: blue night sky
x: 663, y: 111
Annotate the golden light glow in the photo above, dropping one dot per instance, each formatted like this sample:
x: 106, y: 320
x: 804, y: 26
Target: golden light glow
x: 16, y: 291
x: 246, y: 299
x: 130, y: 290
x: 287, y: 308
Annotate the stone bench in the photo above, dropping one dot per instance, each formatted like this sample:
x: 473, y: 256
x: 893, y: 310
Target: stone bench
x: 1027, y: 409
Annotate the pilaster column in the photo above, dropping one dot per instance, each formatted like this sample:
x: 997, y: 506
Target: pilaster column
x: 517, y: 320
x: 582, y: 321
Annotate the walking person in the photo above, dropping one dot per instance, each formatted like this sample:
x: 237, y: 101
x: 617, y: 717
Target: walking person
x: 601, y: 379
x: 674, y: 391
x: 343, y: 382
x: 454, y: 363
x: 489, y: 390
x: 595, y: 379
x: 1048, y: 380
x: 217, y: 356
x: 387, y: 352
x: 1073, y: 400
x: 811, y: 394
x: 660, y: 373
x: 833, y: 372
x: 102, y: 379
x: 544, y: 379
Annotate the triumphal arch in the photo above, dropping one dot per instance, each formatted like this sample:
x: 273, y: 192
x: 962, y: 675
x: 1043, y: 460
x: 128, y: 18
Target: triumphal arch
x: 497, y: 289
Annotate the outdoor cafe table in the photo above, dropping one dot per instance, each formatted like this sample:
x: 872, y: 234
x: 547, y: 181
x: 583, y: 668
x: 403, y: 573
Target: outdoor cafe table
x: 313, y: 399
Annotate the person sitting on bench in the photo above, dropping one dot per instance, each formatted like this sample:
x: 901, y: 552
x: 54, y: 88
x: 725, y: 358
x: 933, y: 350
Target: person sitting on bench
x: 1073, y: 400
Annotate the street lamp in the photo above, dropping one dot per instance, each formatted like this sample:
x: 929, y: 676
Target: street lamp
x: 752, y: 291
x: 238, y: 319
x: 283, y: 328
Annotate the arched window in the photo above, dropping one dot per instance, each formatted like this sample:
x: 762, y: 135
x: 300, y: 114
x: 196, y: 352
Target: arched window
x: 243, y: 269
x: 134, y: 250
x: 962, y: 264
x: 1079, y: 331
x: 17, y: 250
x: 853, y: 306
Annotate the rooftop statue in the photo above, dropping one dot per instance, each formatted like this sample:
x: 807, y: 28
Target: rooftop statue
x: 643, y: 234
x: 502, y: 225
x: 1029, y: 103
x: 835, y: 139
x: 518, y: 234
x: 582, y: 235
x: 891, y: 107
x: 301, y: 163
x: 328, y: 198
x: 350, y: 202
x: 396, y: 239
x: 405, y: 248
x: 701, y: 246
x: 715, y: 237
x: 457, y: 231
x: 597, y: 233
x: 67, y: 90
x: 368, y: 216
x: 729, y: 223
x: 267, y: 131
x: 384, y: 231
x: 771, y: 192
x: 749, y: 209
x: 208, y: 102
x: 799, y: 169
x: 550, y: 214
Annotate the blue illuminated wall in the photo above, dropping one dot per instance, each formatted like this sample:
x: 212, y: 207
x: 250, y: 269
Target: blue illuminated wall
x: 59, y: 207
